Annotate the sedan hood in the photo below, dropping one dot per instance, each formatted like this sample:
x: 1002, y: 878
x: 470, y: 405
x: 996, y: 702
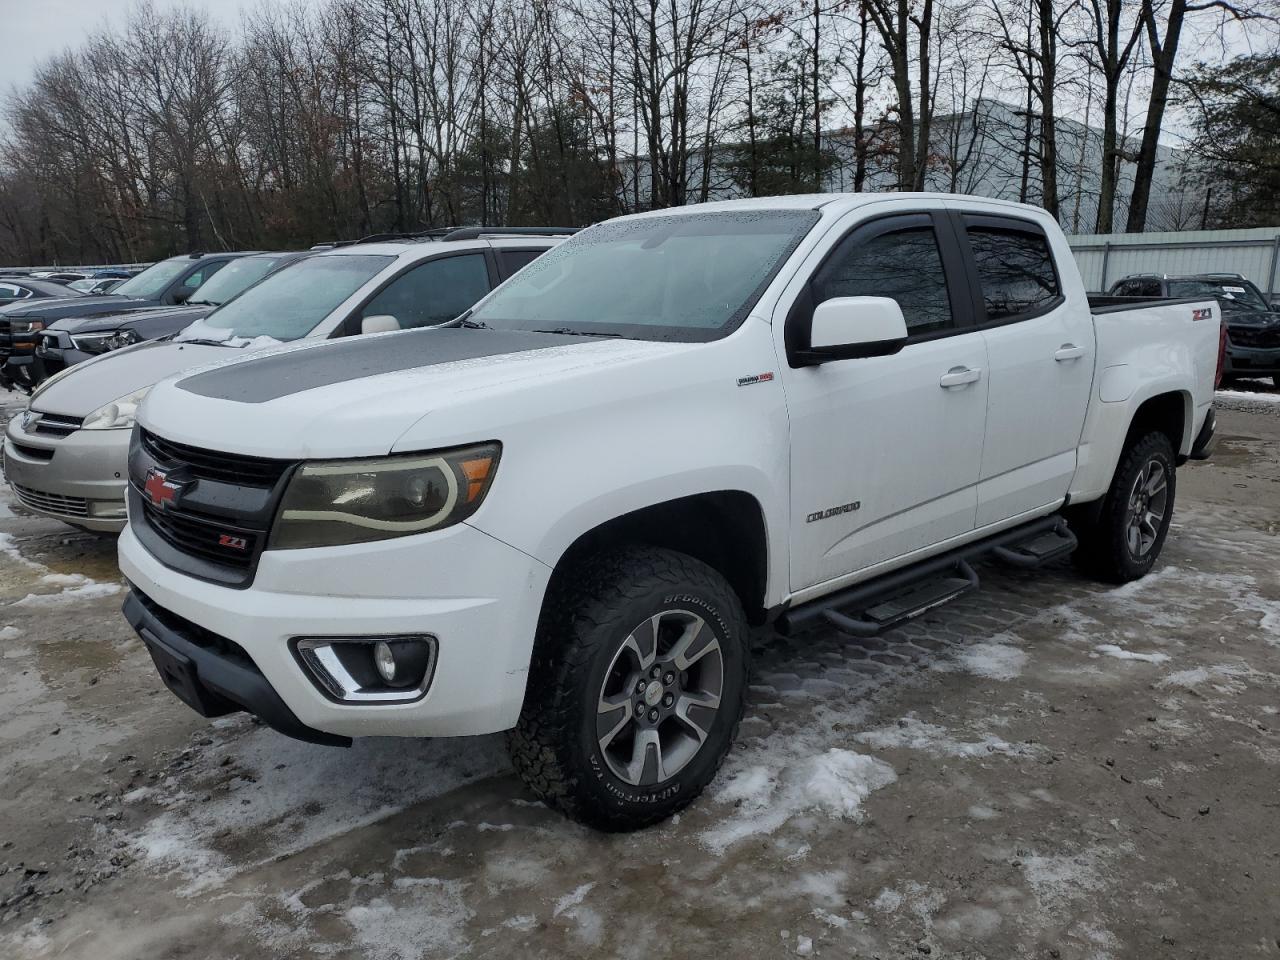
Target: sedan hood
x: 364, y: 395
x: 87, y: 386
x: 115, y: 319
x: 57, y: 308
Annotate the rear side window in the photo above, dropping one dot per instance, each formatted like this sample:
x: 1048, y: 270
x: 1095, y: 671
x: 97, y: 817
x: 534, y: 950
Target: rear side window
x: 8, y: 292
x: 1015, y: 271
x: 904, y: 265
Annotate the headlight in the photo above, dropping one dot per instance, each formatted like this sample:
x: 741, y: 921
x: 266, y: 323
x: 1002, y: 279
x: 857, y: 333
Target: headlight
x: 103, y: 342
x: 25, y: 326
x: 355, y: 501
x: 116, y: 415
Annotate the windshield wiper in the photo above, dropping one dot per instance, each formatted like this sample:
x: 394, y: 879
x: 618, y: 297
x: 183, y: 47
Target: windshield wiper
x: 209, y: 343
x: 569, y: 331
x: 202, y: 303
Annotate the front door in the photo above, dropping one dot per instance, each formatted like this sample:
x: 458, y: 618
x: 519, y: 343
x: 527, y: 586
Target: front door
x: 886, y: 451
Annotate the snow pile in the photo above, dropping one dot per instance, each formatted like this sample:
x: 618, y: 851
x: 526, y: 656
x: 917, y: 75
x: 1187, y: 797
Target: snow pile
x: 9, y: 547
x: 1111, y: 650
x: 993, y: 660
x: 1247, y: 395
x: 201, y: 330
x: 1224, y: 678
x: 912, y: 733
x: 834, y: 784
x: 74, y: 586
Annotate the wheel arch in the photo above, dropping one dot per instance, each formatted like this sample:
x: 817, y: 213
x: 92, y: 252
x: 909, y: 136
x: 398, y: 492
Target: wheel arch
x: 725, y: 529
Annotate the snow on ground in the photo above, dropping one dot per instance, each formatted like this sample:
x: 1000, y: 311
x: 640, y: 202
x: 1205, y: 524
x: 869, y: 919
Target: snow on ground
x: 1120, y: 653
x: 912, y: 733
x: 269, y: 788
x: 9, y: 547
x: 833, y: 784
x: 74, y: 587
x: 995, y: 660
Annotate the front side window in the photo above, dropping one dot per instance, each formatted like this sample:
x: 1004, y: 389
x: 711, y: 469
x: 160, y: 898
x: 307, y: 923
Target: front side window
x: 1015, y: 271
x: 433, y: 292
x: 155, y: 280
x: 290, y: 304
x: 689, y: 277
x: 8, y: 292
x: 903, y: 265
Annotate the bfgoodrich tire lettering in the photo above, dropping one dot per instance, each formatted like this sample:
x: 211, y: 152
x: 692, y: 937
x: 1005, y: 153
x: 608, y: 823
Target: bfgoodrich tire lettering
x: 606, y: 690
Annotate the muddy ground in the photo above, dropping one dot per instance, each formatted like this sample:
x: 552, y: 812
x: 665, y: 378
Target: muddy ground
x: 1047, y: 768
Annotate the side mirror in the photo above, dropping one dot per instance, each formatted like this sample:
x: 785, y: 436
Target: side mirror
x: 846, y: 328
x: 379, y: 323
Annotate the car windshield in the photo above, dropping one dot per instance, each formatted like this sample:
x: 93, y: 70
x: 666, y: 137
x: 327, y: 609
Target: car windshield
x: 84, y: 286
x: 154, y: 280
x: 1241, y: 292
x: 289, y: 304
x: 684, y: 277
x: 236, y: 277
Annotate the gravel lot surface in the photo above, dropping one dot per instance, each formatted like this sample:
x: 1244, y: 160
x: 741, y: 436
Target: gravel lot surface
x: 1046, y: 768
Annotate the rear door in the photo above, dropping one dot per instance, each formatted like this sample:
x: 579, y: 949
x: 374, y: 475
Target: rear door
x: 1040, y: 352
x: 885, y: 451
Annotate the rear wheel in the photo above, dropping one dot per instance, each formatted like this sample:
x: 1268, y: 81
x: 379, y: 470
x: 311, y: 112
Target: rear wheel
x: 636, y: 689
x: 1125, y: 539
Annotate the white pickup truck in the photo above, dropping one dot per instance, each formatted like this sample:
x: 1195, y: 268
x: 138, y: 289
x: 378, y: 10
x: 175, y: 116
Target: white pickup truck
x: 563, y: 513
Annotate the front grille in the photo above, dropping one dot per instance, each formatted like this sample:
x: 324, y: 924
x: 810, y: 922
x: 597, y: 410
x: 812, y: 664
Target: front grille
x: 202, y: 538
x: 1254, y: 336
x: 52, y: 502
x: 214, y: 465
x: 56, y: 425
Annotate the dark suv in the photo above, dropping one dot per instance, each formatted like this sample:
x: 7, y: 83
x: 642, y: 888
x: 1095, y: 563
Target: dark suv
x: 165, y: 283
x: 1253, y: 326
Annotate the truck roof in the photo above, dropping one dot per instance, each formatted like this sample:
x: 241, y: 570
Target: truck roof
x: 835, y: 202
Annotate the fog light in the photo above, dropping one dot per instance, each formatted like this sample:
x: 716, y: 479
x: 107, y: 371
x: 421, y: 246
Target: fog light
x: 385, y: 661
x: 377, y: 670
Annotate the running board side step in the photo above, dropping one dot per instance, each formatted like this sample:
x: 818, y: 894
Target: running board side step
x: 872, y: 608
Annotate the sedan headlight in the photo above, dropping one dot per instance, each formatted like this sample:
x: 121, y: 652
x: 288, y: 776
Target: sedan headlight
x: 104, y: 342
x: 116, y: 415
x: 354, y: 501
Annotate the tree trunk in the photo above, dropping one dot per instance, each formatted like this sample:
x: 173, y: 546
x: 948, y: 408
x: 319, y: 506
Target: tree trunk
x: 1163, y: 56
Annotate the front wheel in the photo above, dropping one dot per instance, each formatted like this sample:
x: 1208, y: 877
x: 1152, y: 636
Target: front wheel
x: 1125, y: 539
x: 635, y: 691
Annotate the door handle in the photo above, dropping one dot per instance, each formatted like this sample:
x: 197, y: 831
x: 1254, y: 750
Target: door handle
x: 959, y: 376
x: 1068, y: 351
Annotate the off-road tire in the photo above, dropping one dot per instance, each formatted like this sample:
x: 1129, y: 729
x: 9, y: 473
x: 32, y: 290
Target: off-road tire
x: 1105, y: 551
x: 586, y: 621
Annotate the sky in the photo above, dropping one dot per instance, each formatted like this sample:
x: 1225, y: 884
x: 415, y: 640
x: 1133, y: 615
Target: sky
x: 35, y: 30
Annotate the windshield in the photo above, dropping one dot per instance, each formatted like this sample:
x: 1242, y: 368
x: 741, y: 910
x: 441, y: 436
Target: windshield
x: 236, y: 277
x: 289, y: 304
x: 154, y: 280
x: 1241, y: 292
x: 84, y: 286
x: 685, y: 277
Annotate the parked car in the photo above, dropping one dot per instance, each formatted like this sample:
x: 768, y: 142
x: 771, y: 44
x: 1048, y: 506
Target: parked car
x: 563, y: 514
x: 71, y: 341
x: 166, y: 283
x: 60, y: 276
x: 23, y: 289
x: 1252, y: 324
x: 67, y: 456
x: 96, y: 284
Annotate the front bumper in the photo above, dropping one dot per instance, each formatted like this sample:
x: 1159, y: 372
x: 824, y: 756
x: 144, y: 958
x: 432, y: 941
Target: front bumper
x: 1252, y: 361
x: 479, y: 597
x: 78, y: 478
x: 55, y: 353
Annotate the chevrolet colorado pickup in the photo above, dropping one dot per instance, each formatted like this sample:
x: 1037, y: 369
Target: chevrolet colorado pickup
x: 562, y: 514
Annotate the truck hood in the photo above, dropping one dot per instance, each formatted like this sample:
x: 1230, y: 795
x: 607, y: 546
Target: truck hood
x: 1240, y: 317
x: 56, y: 308
x: 115, y: 319
x: 359, y: 396
x: 87, y: 386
